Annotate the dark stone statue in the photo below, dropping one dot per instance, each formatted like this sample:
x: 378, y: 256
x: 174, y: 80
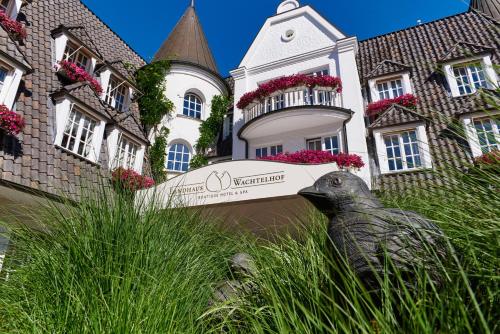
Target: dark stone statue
x: 368, y: 234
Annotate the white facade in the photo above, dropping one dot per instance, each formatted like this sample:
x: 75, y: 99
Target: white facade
x: 184, y: 79
x: 300, y: 41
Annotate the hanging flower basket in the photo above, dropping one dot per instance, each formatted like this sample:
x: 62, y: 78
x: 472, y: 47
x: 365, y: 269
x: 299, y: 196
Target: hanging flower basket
x: 376, y: 108
x: 14, y: 28
x: 127, y: 180
x: 289, y: 83
x: 343, y: 161
x: 75, y: 74
x: 10, y: 122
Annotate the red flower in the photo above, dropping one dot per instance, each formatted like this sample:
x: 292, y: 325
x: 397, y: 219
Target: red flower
x: 407, y: 100
x: 12, y: 26
x: 75, y: 73
x: 288, y: 82
x: 319, y: 157
x: 491, y: 158
x: 11, y: 122
x: 130, y: 180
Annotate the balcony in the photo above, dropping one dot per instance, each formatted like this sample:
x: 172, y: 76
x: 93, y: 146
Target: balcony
x: 300, y: 97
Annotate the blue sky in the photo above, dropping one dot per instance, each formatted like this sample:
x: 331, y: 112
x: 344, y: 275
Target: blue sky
x: 231, y: 25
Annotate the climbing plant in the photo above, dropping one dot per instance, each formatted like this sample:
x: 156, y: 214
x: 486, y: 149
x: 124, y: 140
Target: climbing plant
x: 154, y: 106
x: 153, y: 103
x: 209, y: 130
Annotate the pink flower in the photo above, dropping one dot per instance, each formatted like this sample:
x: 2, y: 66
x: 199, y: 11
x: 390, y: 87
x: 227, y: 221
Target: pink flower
x: 12, y: 26
x: 491, y: 158
x: 284, y: 83
x: 319, y: 157
x: 376, y: 108
x: 78, y: 74
x: 130, y: 180
x: 11, y: 122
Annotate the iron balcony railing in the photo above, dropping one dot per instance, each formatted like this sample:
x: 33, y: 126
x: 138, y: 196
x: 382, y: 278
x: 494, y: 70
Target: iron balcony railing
x: 299, y: 97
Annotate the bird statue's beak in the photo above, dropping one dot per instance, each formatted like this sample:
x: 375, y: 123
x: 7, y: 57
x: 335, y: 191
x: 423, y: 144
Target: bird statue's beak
x: 311, y: 193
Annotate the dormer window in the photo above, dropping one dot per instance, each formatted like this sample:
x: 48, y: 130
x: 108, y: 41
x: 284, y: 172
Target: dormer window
x: 469, y: 77
x: 3, y: 76
x: 126, y: 154
x: 76, y: 55
x: 78, y: 136
x: 390, y: 89
x: 117, y: 94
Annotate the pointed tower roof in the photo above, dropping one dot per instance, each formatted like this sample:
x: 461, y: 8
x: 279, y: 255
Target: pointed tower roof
x: 187, y: 42
x: 488, y: 7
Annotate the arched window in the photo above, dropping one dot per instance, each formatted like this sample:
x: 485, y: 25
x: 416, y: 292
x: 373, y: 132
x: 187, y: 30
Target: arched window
x: 178, y: 158
x: 192, y: 106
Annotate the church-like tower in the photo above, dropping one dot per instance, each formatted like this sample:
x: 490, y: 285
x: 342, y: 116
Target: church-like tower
x: 192, y: 82
x: 488, y: 7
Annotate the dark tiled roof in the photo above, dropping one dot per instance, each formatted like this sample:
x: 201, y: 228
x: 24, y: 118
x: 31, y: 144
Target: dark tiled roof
x: 9, y: 48
x: 396, y: 115
x: 386, y: 67
x: 86, y: 96
x: 422, y: 47
x: 187, y: 42
x: 41, y: 165
x: 83, y: 36
x: 464, y: 50
x: 488, y: 7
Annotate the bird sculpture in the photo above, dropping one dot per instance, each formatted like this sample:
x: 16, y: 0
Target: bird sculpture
x: 367, y: 234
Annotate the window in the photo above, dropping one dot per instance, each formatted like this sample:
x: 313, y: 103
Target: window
x: 319, y: 73
x: 390, y: 89
x: 261, y: 152
x: 76, y: 56
x: 3, y: 76
x: 314, y: 144
x: 469, y: 77
x: 79, y: 133
x: 279, y: 102
x: 116, y: 95
x: 269, y: 151
x: 4, y: 5
x: 228, y: 127
x: 178, y: 158
x: 403, y: 151
x: 192, y: 106
x: 332, y: 144
x: 126, y: 154
x: 487, y: 131
x: 275, y: 150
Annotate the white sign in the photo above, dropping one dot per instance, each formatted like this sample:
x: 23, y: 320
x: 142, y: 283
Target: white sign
x: 234, y: 181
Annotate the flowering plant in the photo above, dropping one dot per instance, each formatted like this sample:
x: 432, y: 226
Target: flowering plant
x: 343, y: 160
x: 407, y: 100
x: 288, y: 82
x: 75, y: 73
x: 130, y: 180
x: 491, y: 158
x: 11, y: 122
x: 12, y: 26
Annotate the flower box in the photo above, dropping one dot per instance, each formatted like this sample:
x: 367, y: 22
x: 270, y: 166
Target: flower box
x: 130, y: 181
x: 10, y: 122
x: 73, y: 73
x: 376, y: 108
x: 14, y: 28
x: 343, y: 161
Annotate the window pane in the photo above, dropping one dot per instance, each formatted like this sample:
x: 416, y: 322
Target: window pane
x: 192, y: 106
x: 463, y: 82
x: 487, y: 134
x: 478, y: 77
x: 332, y: 145
x: 178, y: 158
x: 3, y: 75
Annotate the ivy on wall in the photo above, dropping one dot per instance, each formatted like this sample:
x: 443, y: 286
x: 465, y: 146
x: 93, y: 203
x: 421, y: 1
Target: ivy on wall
x: 209, y: 130
x: 154, y: 106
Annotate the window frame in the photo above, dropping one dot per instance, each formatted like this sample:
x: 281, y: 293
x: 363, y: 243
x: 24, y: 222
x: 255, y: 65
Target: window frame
x: 111, y: 93
x: 471, y: 130
x: 76, y: 52
x: 401, y: 146
x: 488, y: 70
x: 422, y: 141
x: 124, y: 161
x: 188, y: 108
x: 392, y: 86
x: 13, y: 77
x: 405, y: 82
x: 79, y: 132
x: 315, y: 140
x: 181, y: 162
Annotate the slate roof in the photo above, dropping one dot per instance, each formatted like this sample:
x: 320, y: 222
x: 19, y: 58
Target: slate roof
x: 423, y: 48
x: 463, y: 50
x: 83, y: 36
x: 387, y: 67
x: 9, y: 48
x: 488, y: 7
x: 187, y: 42
x: 37, y: 163
x: 396, y: 115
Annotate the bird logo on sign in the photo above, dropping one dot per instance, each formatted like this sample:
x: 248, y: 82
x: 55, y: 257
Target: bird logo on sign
x: 217, y: 182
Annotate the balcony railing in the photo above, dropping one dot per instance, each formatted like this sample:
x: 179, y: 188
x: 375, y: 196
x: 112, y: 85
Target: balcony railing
x: 294, y: 98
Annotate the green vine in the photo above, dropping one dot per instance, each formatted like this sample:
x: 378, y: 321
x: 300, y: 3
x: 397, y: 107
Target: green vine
x: 210, y: 129
x: 153, y: 104
x: 154, y: 107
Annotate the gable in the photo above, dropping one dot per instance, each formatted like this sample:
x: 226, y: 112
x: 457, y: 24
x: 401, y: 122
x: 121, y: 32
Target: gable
x: 312, y: 32
x: 465, y: 50
x: 387, y: 67
x: 396, y: 115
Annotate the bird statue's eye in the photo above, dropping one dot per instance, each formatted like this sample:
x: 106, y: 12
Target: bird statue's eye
x: 336, y: 182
